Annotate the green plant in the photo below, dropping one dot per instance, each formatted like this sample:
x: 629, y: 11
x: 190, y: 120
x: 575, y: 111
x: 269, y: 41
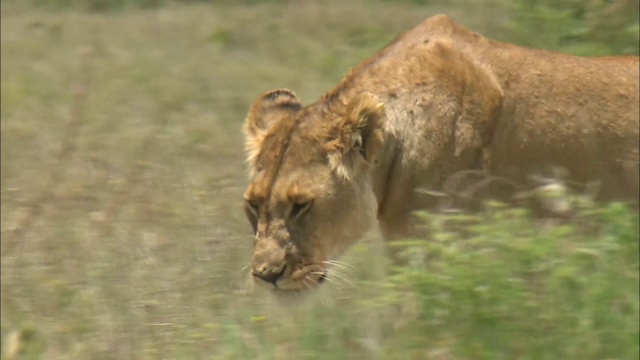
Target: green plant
x: 509, y: 288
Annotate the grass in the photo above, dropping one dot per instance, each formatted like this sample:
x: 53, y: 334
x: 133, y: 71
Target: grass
x: 123, y: 235
x: 510, y: 289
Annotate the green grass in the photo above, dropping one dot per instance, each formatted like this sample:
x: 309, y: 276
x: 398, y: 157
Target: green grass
x: 511, y: 289
x: 123, y: 234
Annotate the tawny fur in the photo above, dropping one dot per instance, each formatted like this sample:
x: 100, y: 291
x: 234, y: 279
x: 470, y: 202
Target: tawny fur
x: 437, y: 101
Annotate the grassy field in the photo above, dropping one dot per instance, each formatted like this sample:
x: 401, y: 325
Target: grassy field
x: 122, y: 230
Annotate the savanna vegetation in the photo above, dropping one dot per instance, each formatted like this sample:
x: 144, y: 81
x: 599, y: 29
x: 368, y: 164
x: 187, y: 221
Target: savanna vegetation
x: 122, y: 230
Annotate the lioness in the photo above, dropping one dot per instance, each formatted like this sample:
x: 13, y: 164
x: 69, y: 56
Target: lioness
x: 438, y: 100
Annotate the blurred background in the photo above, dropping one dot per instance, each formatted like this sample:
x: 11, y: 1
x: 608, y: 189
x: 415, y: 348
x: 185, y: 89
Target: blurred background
x: 123, y: 235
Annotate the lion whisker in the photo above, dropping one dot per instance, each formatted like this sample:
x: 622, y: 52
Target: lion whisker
x: 337, y: 282
x: 248, y: 283
x: 307, y: 281
x: 242, y: 280
x: 242, y: 269
x: 334, y: 274
x: 335, y: 277
x: 340, y: 270
x: 340, y: 264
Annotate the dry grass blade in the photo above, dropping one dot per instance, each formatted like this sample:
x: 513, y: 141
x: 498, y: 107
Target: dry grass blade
x: 56, y: 174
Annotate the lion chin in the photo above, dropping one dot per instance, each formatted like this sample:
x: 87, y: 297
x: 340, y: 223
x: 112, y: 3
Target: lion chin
x: 311, y: 281
x: 441, y: 109
x: 293, y: 294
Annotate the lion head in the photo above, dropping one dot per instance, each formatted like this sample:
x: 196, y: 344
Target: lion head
x: 309, y: 196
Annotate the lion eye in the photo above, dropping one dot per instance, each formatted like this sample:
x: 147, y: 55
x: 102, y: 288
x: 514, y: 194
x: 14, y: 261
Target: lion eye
x: 300, y: 208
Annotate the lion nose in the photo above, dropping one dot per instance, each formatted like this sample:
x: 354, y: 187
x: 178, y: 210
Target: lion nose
x: 268, y: 274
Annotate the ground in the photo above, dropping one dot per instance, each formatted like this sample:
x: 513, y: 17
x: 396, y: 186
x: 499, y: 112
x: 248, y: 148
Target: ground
x: 122, y: 172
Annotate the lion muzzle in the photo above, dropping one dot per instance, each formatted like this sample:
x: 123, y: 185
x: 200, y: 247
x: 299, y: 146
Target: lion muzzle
x: 269, y: 262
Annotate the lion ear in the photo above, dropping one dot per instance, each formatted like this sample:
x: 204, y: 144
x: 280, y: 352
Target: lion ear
x: 265, y: 111
x: 358, y: 135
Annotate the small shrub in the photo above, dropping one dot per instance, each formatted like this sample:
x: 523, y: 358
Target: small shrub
x: 510, y: 289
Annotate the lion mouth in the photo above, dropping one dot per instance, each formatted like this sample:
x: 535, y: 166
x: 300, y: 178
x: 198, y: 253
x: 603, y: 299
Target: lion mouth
x: 322, y: 278
x: 309, y: 281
